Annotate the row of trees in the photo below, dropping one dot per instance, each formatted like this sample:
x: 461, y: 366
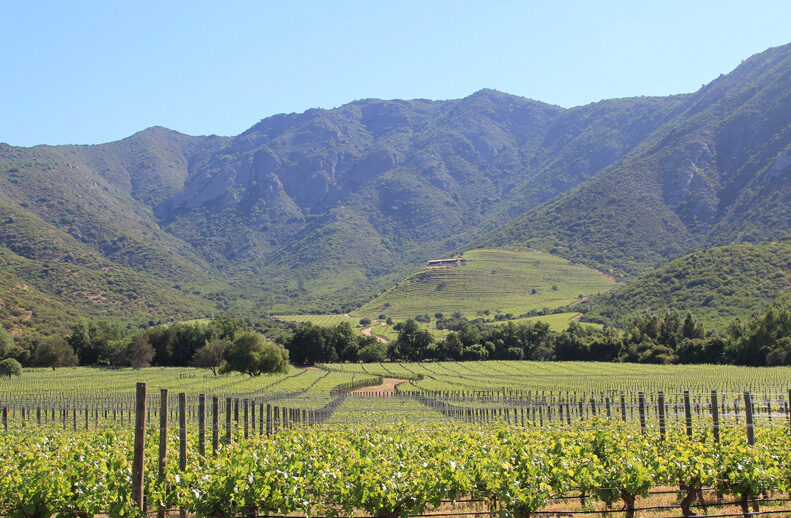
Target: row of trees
x: 227, y: 344
x: 224, y: 344
x: 651, y: 338
x: 314, y: 344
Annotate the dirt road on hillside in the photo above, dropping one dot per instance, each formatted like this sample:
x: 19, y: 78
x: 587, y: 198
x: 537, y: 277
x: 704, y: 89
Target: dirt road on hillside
x: 367, y: 332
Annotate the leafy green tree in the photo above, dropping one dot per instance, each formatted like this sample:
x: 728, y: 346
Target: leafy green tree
x: 657, y: 353
x: 10, y: 367
x: 252, y: 354
x: 411, y: 343
x: 175, y: 345
x: 476, y: 352
x: 138, y: 353
x: 80, y: 340
x: 572, y: 344
x: 342, y: 344
x: 751, y: 344
x: 692, y: 329
x: 469, y: 335
x: 698, y: 350
x: 606, y: 345
x: 670, y: 329
x: 372, y: 352
x: 6, y: 343
x: 226, y: 327
x: 308, y: 345
x: 53, y: 351
x: 780, y: 352
x: 8, y: 348
x: 92, y: 343
x: 211, y: 355
x: 451, y: 348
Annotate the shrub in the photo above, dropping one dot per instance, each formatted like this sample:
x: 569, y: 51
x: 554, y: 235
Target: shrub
x: 10, y: 367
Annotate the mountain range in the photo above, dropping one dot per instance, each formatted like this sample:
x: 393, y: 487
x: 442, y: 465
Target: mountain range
x: 324, y: 209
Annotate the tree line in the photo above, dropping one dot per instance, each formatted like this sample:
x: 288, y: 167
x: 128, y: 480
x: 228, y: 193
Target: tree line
x: 227, y: 344
x: 224, y: 344
x: 669, y: 338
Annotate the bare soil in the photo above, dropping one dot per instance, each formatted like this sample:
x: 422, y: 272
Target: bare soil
x: 387, y: 387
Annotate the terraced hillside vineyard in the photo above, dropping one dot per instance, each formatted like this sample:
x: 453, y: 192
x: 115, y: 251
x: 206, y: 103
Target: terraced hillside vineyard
x: 491, y: 282
x: 556, y: 321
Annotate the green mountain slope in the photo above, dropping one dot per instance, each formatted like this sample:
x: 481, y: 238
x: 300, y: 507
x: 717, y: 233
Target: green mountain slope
x: 52, y: 277
x: 324, y: 209
x: 376, y: 187
x: 717, y: 285
x: 718, y: 172
x: 514, y: 281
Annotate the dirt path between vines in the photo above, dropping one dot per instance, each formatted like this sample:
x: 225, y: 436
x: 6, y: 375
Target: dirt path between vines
x: 387, y: 387
x: 367, y: 332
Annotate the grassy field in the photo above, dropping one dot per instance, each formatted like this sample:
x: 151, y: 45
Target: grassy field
x: 557, y: 322
x: 493, y: 281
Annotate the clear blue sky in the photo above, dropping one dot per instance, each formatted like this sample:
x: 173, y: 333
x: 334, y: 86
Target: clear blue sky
x: 90, y: 72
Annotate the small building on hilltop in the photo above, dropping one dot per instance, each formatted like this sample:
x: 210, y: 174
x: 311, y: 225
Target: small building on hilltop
x: 455, y: 261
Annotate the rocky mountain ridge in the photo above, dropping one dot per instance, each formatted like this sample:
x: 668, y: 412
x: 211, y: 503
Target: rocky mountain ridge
x: 327, y: 207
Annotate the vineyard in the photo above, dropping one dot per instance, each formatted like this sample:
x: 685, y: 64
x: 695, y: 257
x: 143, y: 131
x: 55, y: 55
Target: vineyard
x: 322, y: 320
x: 444, y: 439
x: 557, y: 322
x: 572, y: 376
x: 493, y: 281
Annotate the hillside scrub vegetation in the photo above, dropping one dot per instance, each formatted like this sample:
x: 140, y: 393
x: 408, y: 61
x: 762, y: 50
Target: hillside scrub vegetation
x: 718, y: 285
x: 323, y: 210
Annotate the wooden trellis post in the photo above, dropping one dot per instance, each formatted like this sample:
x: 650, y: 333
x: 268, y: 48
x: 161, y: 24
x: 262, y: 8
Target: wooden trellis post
x: 182, y: 438
x: 163, y: 440
x: 202, y: 425
x: 748, y: 409
x: 215, y: 424
x: 641, y: 407
x: 715, y: 416
x: 138, y: 460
